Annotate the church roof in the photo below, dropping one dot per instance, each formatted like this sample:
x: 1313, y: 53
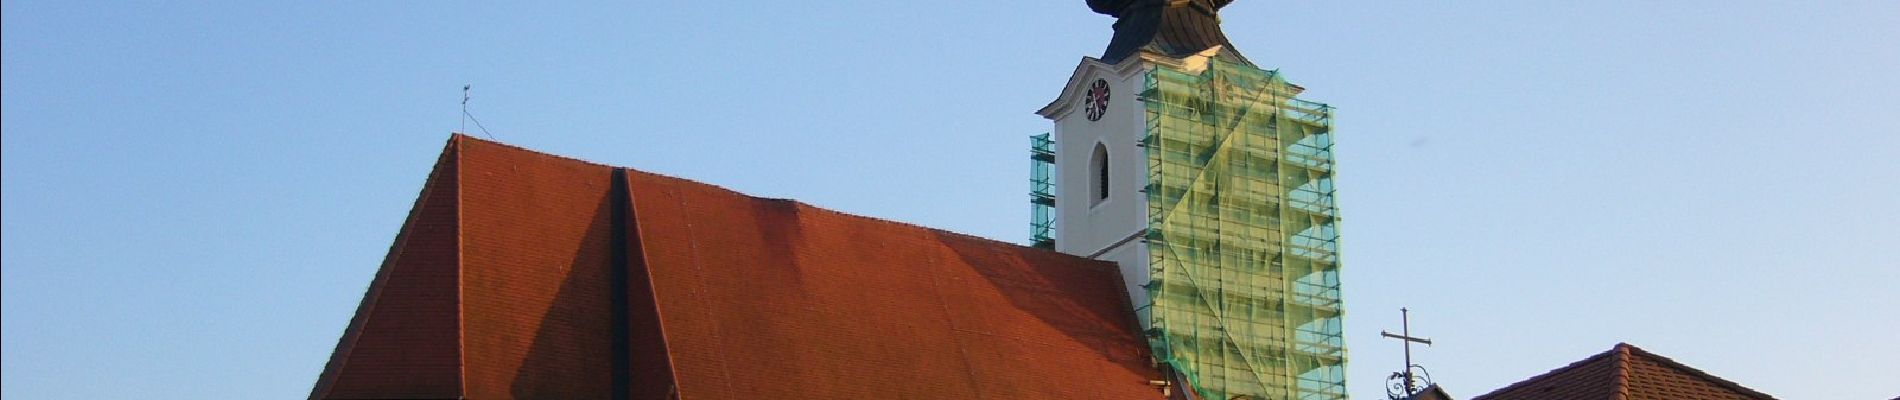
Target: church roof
x: 525, y: 275
x: 1624, y: 372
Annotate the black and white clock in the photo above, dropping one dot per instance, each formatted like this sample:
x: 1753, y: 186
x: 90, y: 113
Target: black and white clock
x: 1095, y: 101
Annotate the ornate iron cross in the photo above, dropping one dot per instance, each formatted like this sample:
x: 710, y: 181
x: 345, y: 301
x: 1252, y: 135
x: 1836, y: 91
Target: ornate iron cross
x: 1409, y: 382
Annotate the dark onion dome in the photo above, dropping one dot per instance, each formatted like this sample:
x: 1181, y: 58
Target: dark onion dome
x: 1177, y: 28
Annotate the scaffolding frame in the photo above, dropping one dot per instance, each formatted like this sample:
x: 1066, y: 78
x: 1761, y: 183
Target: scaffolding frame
x: 1042, y: 201
x: 1242, y: 234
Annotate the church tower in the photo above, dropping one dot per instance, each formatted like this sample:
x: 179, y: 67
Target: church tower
x: 1211, y: 185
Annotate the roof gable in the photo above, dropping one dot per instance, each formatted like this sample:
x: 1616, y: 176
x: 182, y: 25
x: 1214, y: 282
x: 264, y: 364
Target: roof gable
x: 1624, y: 372
x: 401, y: 342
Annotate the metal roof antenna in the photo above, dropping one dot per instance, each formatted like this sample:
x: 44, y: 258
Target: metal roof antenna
x: 464, y: 109
x: 471, y: 117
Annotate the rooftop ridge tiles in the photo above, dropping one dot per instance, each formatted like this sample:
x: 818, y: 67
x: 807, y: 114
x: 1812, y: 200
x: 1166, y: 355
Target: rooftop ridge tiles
x: 1622, y: 359
x: 458, y: 138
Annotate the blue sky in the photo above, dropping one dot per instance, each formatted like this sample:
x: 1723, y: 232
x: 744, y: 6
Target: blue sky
x: 196, y: 194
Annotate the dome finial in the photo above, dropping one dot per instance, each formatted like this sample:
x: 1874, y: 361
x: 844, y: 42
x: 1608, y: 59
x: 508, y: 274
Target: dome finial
x: 1176, y: 28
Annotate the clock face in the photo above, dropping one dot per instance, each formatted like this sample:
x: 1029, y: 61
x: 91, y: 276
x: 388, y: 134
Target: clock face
x: 1096, y: 100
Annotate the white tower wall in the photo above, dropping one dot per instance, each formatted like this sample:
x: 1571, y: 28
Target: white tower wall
x: 1109, y: 229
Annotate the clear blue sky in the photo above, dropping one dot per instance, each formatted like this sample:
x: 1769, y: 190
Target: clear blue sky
x: 196, y: 194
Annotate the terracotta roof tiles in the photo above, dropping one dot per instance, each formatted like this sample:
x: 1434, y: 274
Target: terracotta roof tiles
x: 548, y: 277
x: 1625, y: 372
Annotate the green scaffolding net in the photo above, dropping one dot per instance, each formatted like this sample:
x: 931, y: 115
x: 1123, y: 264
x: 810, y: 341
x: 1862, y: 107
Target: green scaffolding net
x: 1243, y: 233
x: 1042, y: 200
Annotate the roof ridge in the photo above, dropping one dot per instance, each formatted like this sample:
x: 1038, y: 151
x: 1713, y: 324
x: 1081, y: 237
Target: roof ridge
x: 1566, y: 368
x: 1622, y: 351
x: 457, y: 138
x: 1697, y: 373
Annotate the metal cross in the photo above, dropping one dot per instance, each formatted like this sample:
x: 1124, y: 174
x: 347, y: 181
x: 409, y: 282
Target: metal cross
x: 1405, y: 326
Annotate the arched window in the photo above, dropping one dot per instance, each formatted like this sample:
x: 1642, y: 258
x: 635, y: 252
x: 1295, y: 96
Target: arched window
x: 1098, y: 169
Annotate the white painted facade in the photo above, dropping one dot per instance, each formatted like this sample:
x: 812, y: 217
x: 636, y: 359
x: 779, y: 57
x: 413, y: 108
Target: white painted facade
x: 1109, y: 229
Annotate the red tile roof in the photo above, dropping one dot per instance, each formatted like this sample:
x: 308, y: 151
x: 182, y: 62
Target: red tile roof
x: 1624, y: 372
x: 395, y: 344
x: 525, y: 275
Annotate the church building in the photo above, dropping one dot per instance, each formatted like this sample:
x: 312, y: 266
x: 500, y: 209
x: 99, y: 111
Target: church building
x: 1209, y: 184
x: 1184, y: 246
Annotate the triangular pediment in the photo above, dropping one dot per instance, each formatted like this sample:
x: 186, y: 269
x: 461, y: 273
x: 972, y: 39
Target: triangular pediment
x: 1092, y: 67
x: 1085, y: 71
